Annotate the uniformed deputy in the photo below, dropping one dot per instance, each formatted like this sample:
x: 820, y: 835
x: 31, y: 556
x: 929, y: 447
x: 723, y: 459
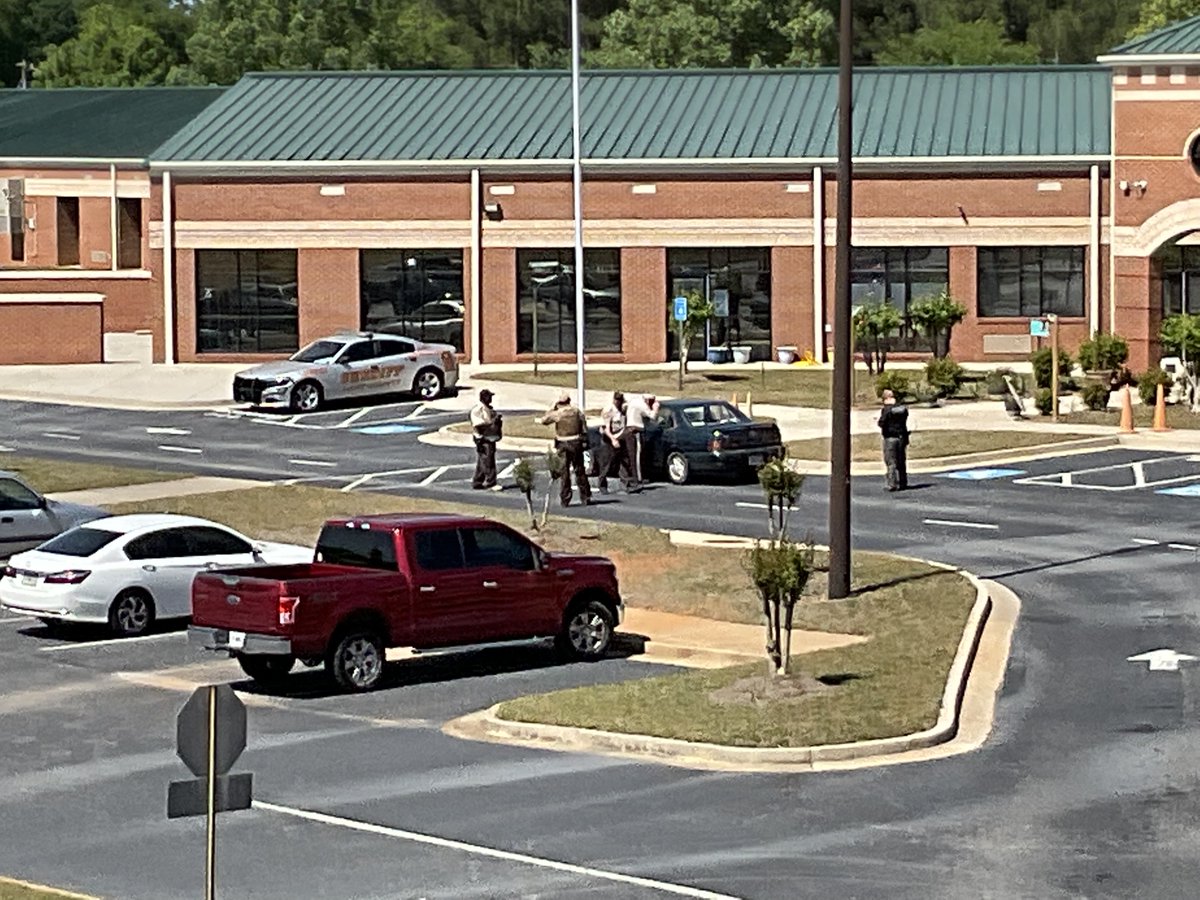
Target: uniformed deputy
x: 570, y: 439
x: 486, y: 426
x: 613, y: 452
x: 893, y: 424
x: 637, y: 411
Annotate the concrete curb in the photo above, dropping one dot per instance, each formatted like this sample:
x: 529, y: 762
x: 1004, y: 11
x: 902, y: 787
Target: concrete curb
x: 107, y: 403
x: 486, y: 725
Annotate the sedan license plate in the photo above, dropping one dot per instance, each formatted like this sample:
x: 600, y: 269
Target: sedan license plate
x: 757, y: 459
x: 29, y: 581
x: 237, y: 640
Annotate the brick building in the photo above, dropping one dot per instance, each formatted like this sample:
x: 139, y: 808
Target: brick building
x: 209, y: 224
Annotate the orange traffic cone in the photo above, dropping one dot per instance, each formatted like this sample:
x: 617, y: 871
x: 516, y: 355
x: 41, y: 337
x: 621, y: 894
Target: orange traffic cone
x: 1160, y: 412
x: 1126, y: 412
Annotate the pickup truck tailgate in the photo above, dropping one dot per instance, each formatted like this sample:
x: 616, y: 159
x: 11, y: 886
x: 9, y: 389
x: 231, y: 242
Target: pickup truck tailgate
x: 248, y: 599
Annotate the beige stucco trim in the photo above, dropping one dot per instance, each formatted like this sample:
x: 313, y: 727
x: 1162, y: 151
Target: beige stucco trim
x: 53, y: 298
x: 651, y: 233
x: 982, y: 231
x: 131, y: 186
x: 304, y: 235
x: 74, y: 275
x: 1177, y: 95
x: 1172, y: 221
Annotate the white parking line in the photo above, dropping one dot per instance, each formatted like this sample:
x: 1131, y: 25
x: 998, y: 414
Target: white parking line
x: 508, y: 470
x: 666, y: 887
x: 1181, y: 546
x: 171, y: 448
x: 983, y: 526
x: 1146, y: 542
x: 312, y: 462
x: 354, y: 417
x: 434, y: 475
x: 416, y: 412
x: 83, y: 645
x: 11, y: 619
x: 177, y: 431
x: 751, y: 505
x: 61, y: 436
x: 7, y: 450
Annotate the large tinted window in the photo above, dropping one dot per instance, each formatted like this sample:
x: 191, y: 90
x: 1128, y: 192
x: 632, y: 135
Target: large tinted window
x: 900, y: 276
x: 1030, y: 281
x: 738, y: 282
x: 246, y: 301
x: 81, y: 541
x: 438, y: 549
x: 495, y: 547
x: 416, y: 293
x: 546, y: 300
x: 363, y: 547
x: 1180, y: 279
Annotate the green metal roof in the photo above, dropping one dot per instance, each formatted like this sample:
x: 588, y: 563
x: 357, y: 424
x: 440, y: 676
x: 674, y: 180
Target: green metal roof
x: 1179, y: 39
x: 95, y: 123
x: 658, y: 116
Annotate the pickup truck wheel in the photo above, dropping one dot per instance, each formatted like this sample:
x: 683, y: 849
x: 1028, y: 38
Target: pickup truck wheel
x: 587, y: 631
x: 356, y: 661
x: 677, y: 468
x: 266, y: 669
x: 131, y: 614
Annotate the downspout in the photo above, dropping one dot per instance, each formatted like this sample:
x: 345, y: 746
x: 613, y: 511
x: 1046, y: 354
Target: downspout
x: 1112, y: 212
x: 168, y: 270
x: 1094, y: 253
x: 818, y: 293
x: 476, y: 267
x: 113, y: 244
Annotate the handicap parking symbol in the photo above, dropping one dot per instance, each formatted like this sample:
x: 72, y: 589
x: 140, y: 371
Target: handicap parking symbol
x: 982, y: 474
x: 393, y: 428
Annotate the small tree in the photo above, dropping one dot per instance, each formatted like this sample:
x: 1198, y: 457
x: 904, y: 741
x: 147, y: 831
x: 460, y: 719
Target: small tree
x: 873, y: 324
x: 779, y: 568
x: 1103, y: 353
x: 936, y: 316
x: 1180, y: 335
x: 699, y: 310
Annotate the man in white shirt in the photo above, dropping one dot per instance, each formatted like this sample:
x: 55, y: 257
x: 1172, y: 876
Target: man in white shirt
x: 613, y: 457
x: 637, y: 411
x: 486, y: 425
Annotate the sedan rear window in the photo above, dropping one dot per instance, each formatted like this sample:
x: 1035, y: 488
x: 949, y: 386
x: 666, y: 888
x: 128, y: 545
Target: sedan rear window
x: 81, y: 541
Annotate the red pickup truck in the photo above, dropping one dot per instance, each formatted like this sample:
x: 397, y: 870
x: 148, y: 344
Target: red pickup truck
x: 423, y: 581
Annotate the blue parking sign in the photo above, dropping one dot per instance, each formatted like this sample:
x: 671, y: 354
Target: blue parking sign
x: 680, y: 309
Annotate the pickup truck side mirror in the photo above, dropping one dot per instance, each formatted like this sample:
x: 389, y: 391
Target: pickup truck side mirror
x: 543, y: 559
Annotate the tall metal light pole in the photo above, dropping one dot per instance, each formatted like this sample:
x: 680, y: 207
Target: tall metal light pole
x: 843, y: 347
x: 577, y: 179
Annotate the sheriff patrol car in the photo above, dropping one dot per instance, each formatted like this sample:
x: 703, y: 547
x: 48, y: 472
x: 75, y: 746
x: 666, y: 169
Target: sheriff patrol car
x: 349, y: 365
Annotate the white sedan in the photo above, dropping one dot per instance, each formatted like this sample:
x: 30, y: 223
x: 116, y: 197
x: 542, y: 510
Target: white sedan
x: 129, y: 571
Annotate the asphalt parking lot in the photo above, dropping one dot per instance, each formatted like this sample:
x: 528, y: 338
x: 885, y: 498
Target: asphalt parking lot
x: 89, y: 765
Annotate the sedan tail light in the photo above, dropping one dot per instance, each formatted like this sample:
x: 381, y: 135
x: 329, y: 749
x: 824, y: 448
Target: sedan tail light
x: 287, y: 610
x: 71, y: 576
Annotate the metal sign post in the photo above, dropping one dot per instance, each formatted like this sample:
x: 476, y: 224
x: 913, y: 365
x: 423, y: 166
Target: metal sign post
x: 1053, y: 366
x: 211, y: 735
x: 681, y: 314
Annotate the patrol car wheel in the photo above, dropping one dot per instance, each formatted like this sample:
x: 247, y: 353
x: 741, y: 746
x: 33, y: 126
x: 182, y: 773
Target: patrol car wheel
x: 428, y: 384
x: 306, y: 397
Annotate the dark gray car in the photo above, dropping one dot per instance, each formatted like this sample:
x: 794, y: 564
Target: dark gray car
x: 27, y: 518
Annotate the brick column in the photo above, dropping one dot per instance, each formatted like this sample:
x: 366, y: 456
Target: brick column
x: 966, y: 340
x: 185, y: 305
x: 498, y: 305
x: 792, y: 299
x: 644, y: 304
x: 1138, y: 317
x: 328, y: 284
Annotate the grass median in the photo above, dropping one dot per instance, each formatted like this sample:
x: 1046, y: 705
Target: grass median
x: 792, y: 387
x: 892, y: 684
x: 52, y: 476
x: 13, y: 889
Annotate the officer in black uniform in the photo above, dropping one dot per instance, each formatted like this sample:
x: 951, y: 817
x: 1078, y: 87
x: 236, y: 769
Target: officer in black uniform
x: 893, y: 424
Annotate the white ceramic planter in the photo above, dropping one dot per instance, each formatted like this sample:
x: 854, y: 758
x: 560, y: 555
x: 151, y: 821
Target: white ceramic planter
x: 786, y: 355
x: 741, y: 355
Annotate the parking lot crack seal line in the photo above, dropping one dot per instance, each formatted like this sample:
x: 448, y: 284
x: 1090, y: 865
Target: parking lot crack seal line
x: 679, y: 890
x: 486, y: 725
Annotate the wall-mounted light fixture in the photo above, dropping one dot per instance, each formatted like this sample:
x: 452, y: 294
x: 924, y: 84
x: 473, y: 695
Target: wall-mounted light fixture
x: 494, y: 212
x: 1129, y: 186
x: 1140, y: 186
